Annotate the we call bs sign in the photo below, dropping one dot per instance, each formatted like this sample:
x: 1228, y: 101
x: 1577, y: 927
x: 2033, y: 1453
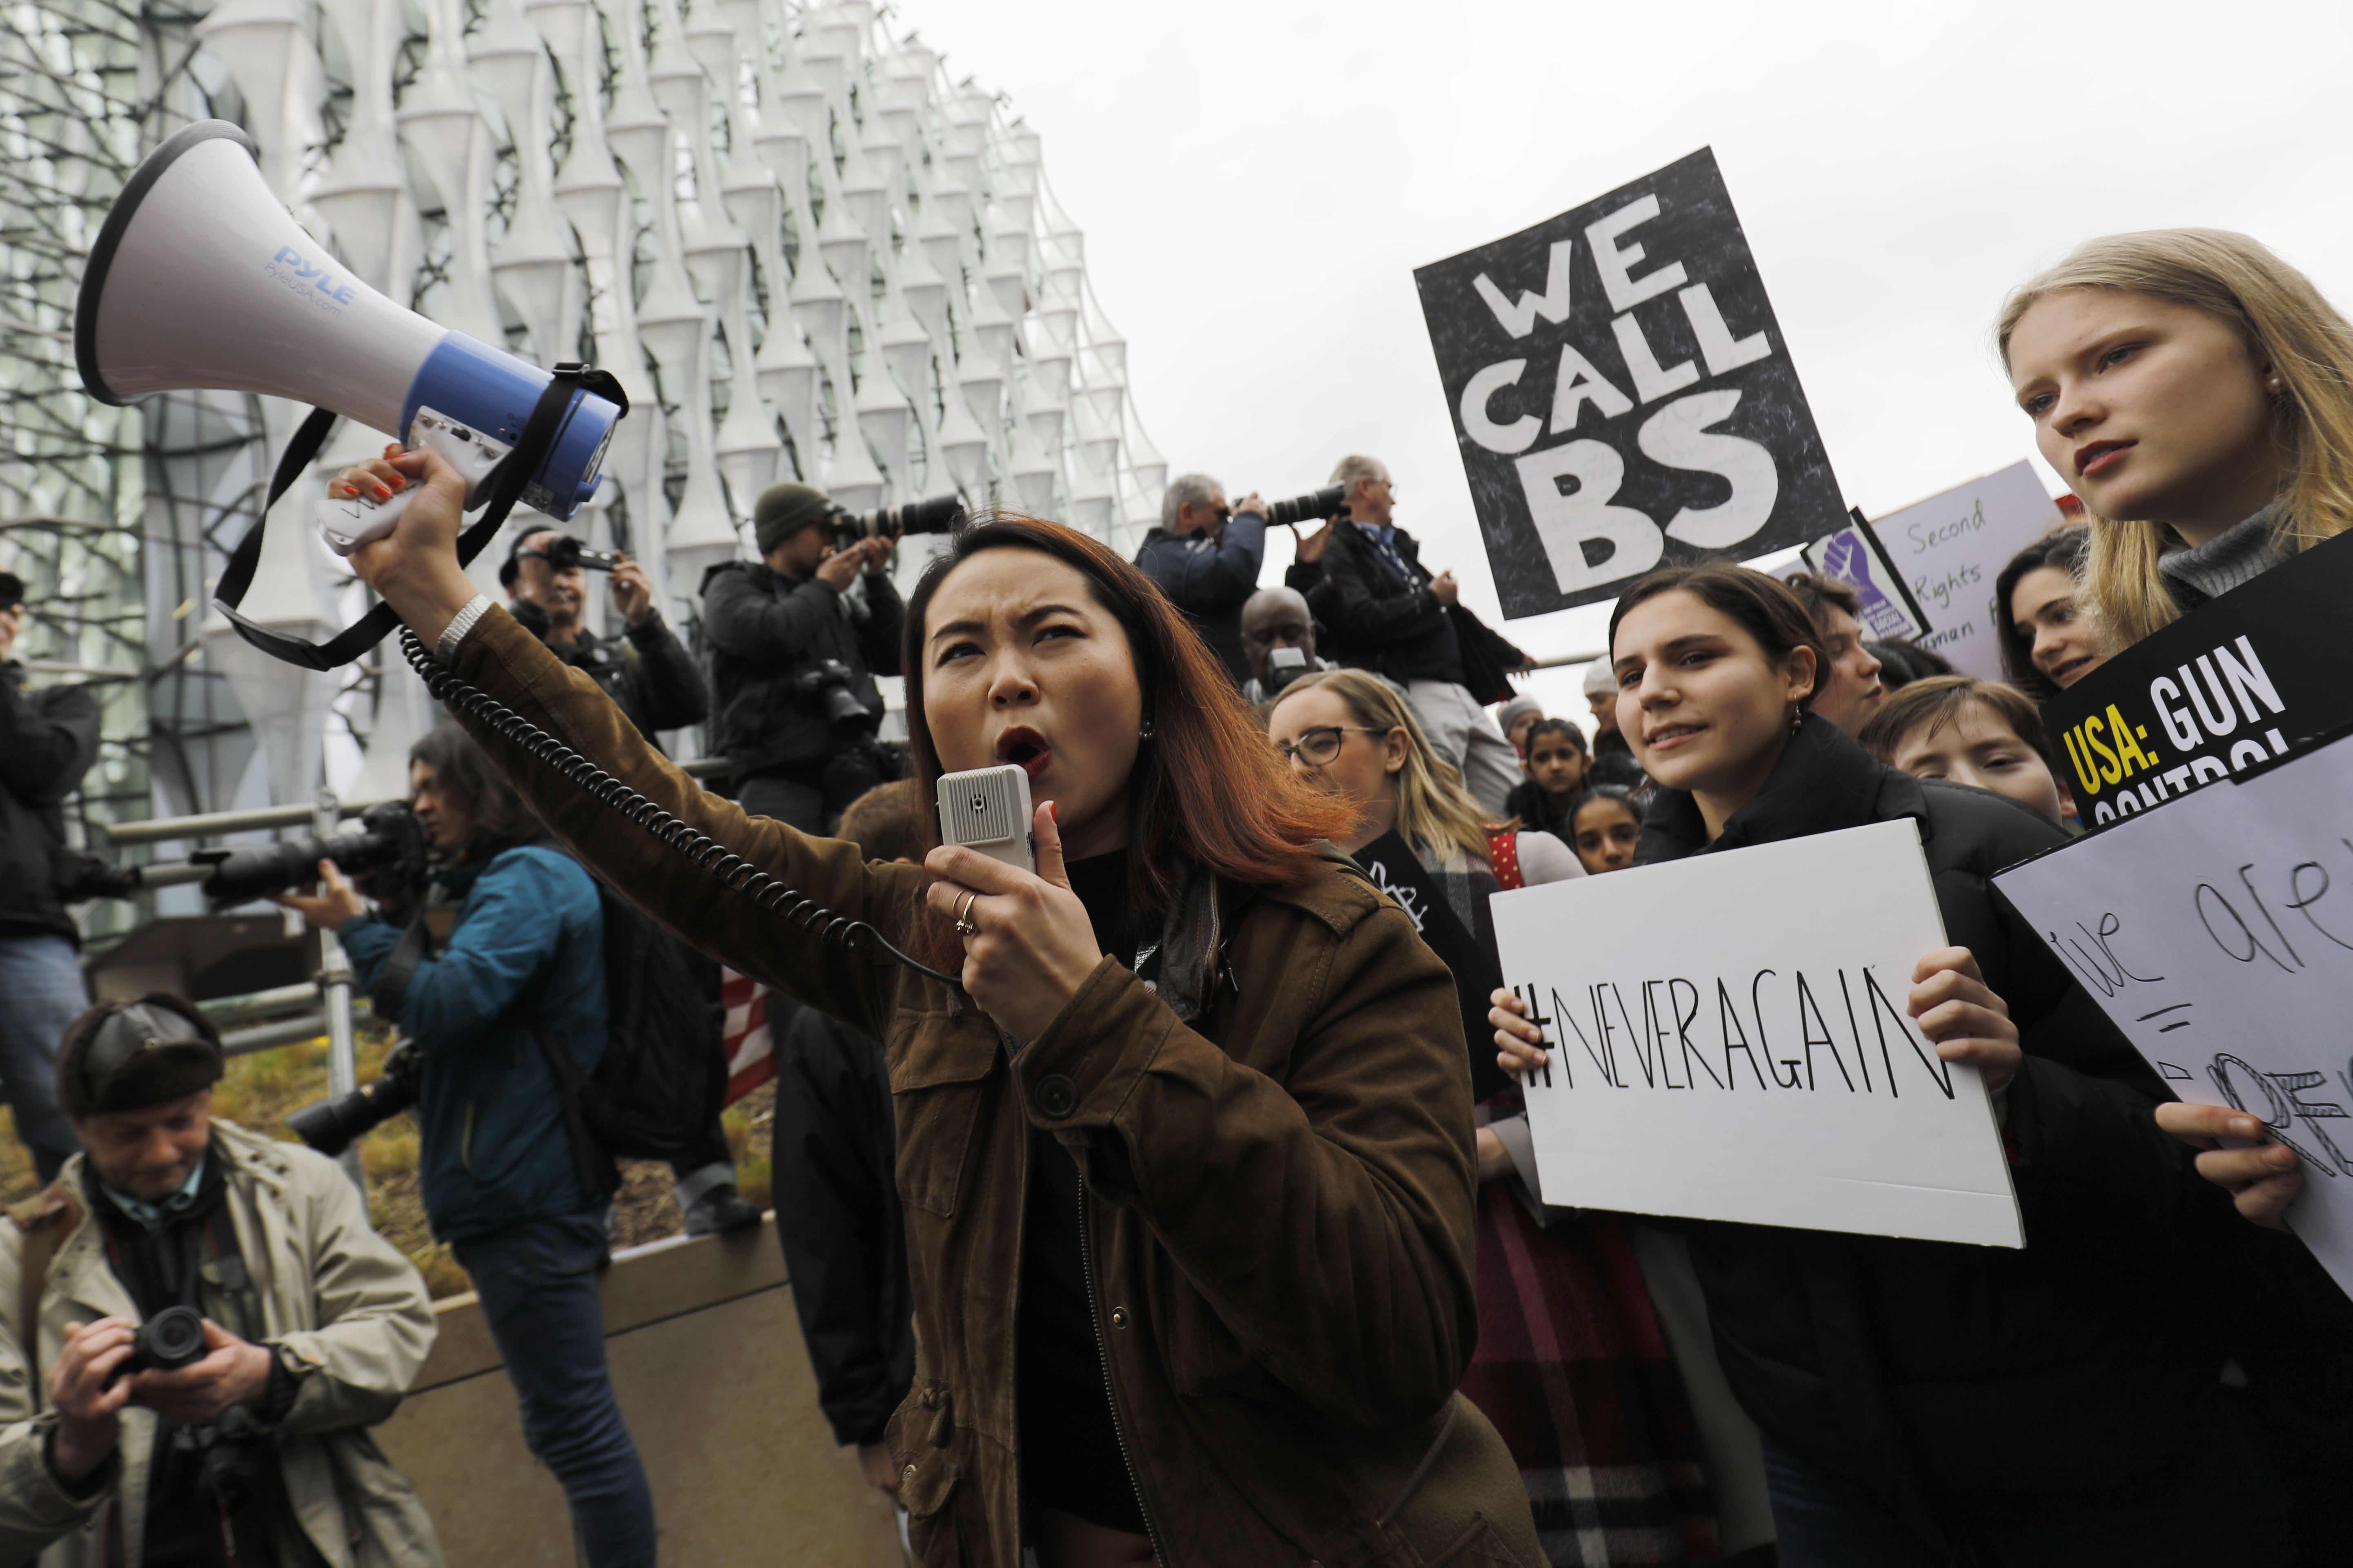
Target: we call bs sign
x: 1622, y: 395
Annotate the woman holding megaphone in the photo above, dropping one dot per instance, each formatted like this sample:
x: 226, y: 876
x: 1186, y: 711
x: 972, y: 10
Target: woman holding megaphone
x: 1926, y: 1402
x: 1186, y: 1153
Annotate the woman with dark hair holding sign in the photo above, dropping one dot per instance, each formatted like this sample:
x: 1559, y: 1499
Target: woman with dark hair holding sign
x: 1571, y: 1365
x: 1184, y: 1153
x: 1924, y: 1400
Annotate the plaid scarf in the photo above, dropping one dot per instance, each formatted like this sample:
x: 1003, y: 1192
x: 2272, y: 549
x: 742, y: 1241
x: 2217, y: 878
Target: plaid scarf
x: 1574, y: 1371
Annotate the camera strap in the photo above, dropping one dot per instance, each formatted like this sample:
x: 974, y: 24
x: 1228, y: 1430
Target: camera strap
x: 514, y: 471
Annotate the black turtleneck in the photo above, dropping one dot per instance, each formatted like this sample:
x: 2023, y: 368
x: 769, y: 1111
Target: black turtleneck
x: 1823, y: 782
x: 1071, y: 1456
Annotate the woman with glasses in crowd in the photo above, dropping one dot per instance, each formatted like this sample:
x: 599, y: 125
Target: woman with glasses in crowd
x: 1568, y: 1365
x: 1924, y: 1403
x: 1185, y: 1154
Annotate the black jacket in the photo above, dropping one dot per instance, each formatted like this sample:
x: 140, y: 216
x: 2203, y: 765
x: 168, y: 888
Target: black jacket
x: 764, y: 629
x: 1376, y: 622
x: 648, y: 675
x: 1208, y: 580
x: 1372, y: 621
x: 48, y: 741
x: 1952, y: 1380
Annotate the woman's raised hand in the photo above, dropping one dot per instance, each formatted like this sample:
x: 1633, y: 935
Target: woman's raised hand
x: 2262, y: 1179
x: 414, y: 567
x: 1962, y: 1018
x: 1033, y: 946
x: 1519, y: 1045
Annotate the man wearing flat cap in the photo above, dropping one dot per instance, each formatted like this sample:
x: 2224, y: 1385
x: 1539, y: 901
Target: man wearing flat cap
x: 313, y: 1326
x: 794, y: 654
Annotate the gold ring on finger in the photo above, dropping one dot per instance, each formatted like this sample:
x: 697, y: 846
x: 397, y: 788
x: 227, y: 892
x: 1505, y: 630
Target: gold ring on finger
x: 964, y: 923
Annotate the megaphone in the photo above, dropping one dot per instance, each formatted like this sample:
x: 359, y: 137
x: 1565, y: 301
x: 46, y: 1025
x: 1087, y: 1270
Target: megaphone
x: 201, y: 279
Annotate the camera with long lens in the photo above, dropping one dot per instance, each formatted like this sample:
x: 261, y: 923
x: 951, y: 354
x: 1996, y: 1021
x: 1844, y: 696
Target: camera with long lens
x: 564, y: 552
x: 826, y: 690
x: 388, y: 840
x: 937, y: 515
x: 334, y: 1125
x: 172, y: 1338
x: 1330, y: 501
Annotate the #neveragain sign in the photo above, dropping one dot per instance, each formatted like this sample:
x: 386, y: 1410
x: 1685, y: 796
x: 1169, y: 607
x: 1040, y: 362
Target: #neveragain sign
x: 1728, y: 1041
x: 2218, y: 935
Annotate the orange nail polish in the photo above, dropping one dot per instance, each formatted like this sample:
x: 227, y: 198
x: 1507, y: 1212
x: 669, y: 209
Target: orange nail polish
x: 399, y: 483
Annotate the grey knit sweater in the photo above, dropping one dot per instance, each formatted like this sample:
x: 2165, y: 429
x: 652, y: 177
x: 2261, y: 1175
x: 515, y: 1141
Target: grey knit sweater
x: 2197, y: 574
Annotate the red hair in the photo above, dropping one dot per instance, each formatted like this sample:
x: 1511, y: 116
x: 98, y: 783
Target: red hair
x: 1207, y: 788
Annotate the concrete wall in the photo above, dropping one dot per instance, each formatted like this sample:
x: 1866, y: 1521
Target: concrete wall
x: 708, y: 1360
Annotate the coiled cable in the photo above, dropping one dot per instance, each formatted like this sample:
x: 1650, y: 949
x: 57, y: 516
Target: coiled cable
x: 704, y: 852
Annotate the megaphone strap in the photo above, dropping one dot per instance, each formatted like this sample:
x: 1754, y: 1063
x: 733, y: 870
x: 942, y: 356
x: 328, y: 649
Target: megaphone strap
x: 538, y: 434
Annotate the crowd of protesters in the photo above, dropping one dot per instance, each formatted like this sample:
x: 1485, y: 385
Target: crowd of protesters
x: 1177, y: 1202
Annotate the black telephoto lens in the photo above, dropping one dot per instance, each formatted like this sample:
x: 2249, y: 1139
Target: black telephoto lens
x: 331, y: 1126
x: 937, y: 515
x: 1325, y: 502
x: 387, y: 835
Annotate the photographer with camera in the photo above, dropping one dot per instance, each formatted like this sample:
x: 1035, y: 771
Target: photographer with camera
x: 200, y: 1326
x: 794, y: 658
x: 1364, y: 577
x: 48, y: 741
x: 514, y: 974
x: 1279, y: 641
x: 648, y: 673
x: 652, y: 679
x: 1205, y: 555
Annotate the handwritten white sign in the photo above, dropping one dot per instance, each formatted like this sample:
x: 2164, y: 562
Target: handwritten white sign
x: 1951, y: 547
x: 2217, y: 934
x: 1729, y: 1041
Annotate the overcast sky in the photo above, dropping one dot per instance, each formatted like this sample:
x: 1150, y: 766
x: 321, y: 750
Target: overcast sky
x: 1258, y: 179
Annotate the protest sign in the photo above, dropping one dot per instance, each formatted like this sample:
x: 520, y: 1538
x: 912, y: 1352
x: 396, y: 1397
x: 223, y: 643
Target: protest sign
x: 1853, y: 556
x: 1951, y: 547
x: 2218, y: 937
x: 1469, y: 951
x: 2226, y: 688
x: 1728, y: 1041
x: 1622, y: 395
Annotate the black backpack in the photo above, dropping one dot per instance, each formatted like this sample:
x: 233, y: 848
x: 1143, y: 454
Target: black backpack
x: 656, y: 1090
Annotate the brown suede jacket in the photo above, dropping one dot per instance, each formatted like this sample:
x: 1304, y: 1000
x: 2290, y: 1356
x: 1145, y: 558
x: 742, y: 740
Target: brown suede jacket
x: 1279, y: 1194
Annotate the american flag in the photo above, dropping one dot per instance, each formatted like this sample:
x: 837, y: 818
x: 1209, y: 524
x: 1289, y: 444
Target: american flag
x: 751, y: 1057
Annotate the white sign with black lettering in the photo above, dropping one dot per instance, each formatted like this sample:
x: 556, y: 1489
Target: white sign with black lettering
x: 1622, y: 395
x: 1729, y: 1041
x: 1951, y: 547
x: 2217, y: 934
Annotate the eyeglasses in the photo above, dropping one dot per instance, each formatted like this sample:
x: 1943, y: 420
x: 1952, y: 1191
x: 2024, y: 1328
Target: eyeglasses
x: 1318, y: 747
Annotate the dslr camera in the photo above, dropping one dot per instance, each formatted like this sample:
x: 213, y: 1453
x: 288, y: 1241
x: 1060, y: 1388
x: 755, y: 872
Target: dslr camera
x: 825, y: 690
x: 388, y: 841
x: 172, y: 1338
x: 937, y: 515
x: 566, y: 552
x: 334, y: 1125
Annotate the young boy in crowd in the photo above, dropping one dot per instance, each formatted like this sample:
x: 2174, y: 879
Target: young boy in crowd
x: 1976, y: 733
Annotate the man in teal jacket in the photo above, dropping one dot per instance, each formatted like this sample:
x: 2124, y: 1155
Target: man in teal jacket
x: 508, y: 950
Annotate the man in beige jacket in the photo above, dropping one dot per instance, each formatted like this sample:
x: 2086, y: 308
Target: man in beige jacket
x: 257, y: 1455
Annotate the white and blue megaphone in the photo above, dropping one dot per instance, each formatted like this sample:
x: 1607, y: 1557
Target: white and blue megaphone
x: 201, y: 279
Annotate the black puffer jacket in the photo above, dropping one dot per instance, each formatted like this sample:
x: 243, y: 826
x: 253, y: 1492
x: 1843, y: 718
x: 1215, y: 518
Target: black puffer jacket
x: 48, y: 741
x: 1952, y: 1380
x: 764, y: 629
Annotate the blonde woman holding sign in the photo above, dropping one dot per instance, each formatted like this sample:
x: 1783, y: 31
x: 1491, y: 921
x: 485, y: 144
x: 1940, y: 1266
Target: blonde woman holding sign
x: 2197, y: 392
x: 1925, y: 1403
